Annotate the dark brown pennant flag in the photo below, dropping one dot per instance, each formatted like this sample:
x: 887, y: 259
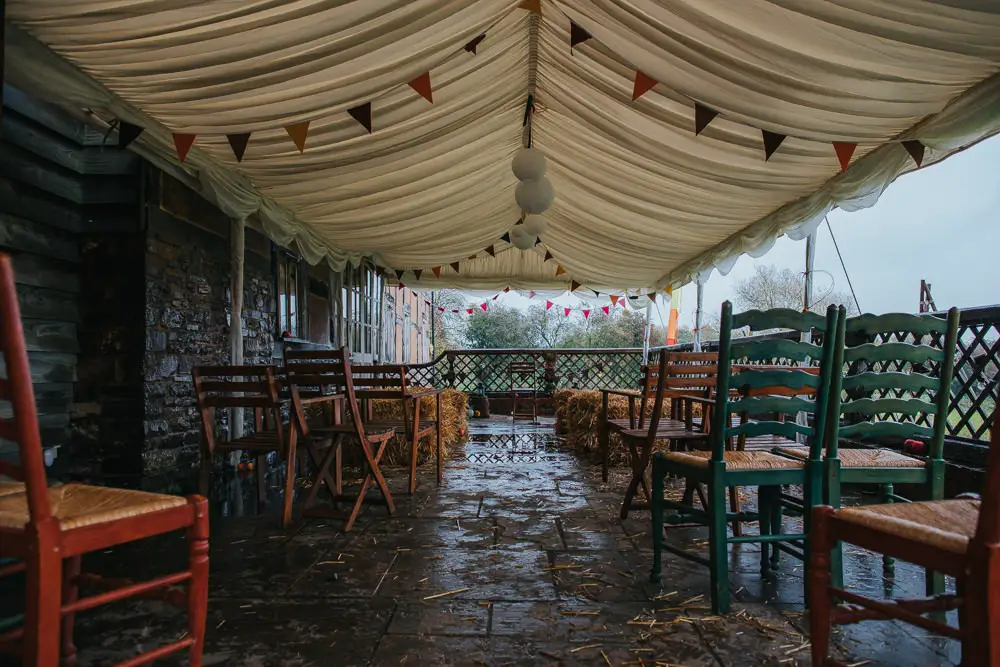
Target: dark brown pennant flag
x: 298, y: 134
x: 491, y: 251
x: 399, y: 274
x: 771, y: 142
x: 417, y: 273
x: 363, y: 114
x: 844, y: 151
x: 238, y: 142
x: 454, y: 265
x: 127, y: 133
x: 573, y: 285
x: 577, y: 35
x: 702, y: 117
x: 548, y: 256
x: 915, y: 149
x: 436, y: 271
x: 183, y: 144
x: 471, y: 46
x: 422, y: 84
x: 533, y: 6
x: 505, y: 237
x: 642, y: 84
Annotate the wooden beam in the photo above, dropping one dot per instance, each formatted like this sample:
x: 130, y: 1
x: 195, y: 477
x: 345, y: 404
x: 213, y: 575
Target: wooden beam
x: 99, y: 160
x: 20, y: 234
x: 26, y: 167
x: 53, y: 117
x: 37, y: 206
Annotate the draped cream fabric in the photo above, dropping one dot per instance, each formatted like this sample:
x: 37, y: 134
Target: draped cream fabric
x: 640, y: 200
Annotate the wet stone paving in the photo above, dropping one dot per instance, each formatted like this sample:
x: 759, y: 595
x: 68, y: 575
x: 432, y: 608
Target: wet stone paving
x: 519, y: 558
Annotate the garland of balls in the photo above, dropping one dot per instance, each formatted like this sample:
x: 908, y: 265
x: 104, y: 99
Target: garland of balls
x: 534, y: 195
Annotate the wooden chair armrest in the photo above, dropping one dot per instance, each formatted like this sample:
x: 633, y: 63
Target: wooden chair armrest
x: 627, y: 393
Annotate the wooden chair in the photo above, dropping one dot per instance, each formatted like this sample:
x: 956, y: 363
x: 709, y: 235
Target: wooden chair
x: 720, y: 469
x: 523, y: 380
x: 889, y: 383
x: 255, y: 388
x: 330, y: 371
x: 960, y: 537
x: 49, y: 529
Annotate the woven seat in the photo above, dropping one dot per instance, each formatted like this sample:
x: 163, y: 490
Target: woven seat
x: 943, y: 524
x: 7, y: 488
x: 861, y: 458
x: 78, y: 505
x: 737, y: 460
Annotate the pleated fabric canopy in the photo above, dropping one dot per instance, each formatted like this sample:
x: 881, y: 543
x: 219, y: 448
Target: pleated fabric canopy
x: 641, y: 201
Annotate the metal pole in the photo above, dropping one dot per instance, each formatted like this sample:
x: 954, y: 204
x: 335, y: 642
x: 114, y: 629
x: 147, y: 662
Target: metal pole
x: 645, y: 335
x: 433, y: 327
x: 807, y: 300
x: 698, y: 315
x: 237, y: 246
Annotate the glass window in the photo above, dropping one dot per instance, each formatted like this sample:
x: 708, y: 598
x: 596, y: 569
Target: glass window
x: 288, y: 295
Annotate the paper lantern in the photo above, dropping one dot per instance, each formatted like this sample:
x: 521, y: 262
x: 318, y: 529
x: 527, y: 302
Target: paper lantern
x: 521, y: 239
x: 528, y: 164
x: 534, y: 196
x: 534, y: 225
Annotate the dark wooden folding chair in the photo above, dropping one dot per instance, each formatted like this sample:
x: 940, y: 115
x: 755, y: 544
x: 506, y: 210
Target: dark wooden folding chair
x: 331, y: 372
x: 959, y: 537
x: 522, y: 378
x: 255, y: 388
x: 47, y: 530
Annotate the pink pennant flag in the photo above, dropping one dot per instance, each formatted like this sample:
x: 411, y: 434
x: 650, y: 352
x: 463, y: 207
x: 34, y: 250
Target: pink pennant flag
x: 566, y: 311
x: 531, y: 294
x: 468, y: 310
x: 548, y: 304
x: 496, y: 296
x: 484, y: 305
x: 441, y: 308
x: 586, y: 314
x: 606, y: 309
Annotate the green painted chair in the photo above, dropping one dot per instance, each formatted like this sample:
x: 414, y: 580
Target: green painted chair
x: 896, y: 381
x: 720, y: 469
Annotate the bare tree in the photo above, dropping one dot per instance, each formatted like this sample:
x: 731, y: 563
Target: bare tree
x: 773, y: 287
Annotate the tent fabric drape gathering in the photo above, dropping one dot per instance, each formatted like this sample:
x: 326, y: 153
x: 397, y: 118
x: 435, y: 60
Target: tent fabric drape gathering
x: 640, y: 200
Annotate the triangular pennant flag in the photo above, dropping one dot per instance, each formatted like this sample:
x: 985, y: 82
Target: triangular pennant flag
x: 183, y: 143
x: 614, y: 299
x: 379, y: 271
x: 491, y: 251
x: 496, y: 296
x: 402, y: 286
x: 127, y: 133
x: 548, y: 304
x: 560, y: 270
x: 436, y: 271
x: 652, y: 296
x: 606, y: 309
x: 702, y: 117
x: 363, y: 114
x: 642, y: 84
x: 238, y: 142
x: 506, y: 290
x: 505, y: 237
x: 454, y: 265
x: 771, y: 142
x: 484, y: 305
x: 844, y: 152
x: 531, y: 294
x: 915, y: 149
x: 573, y: 285
x: 586, y: 314
x: 566, y: 312
x: 577, y: 35
x: 455, y: 310
x: 533, y: 6
x: 537, y: 240
x: 422, y: 84
x: 468, y: 310
x: 548, y: 255
x: 441, y: 308
x: 417, y: 272
x: 399, y: 274
x: 298, y: 134
x: 471, y: 46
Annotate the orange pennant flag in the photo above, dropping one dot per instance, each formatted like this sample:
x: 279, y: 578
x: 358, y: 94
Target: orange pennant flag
x: 437, y: 271
x: 643, y: 84
x: 422, y: 84
x: 614, y: 299
x: 560, y: 270
x: 183, y: 144
x: 844, y: 152
x: 533, y: 6
x: 298, y: 133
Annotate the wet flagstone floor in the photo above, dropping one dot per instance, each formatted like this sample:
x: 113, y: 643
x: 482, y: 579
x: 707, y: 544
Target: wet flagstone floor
x: 517, y: 559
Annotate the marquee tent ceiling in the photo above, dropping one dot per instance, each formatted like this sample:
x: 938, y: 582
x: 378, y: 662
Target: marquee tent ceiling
x: 640, y: 200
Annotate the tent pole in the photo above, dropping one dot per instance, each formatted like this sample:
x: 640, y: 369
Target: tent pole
x: 237, y: 239
x: 698, y: 315
x: 807, y: 300
x: 645, y: 335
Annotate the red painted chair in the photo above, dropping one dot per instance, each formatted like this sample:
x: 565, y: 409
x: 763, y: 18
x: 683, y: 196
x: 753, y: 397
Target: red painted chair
x: 48, y: 529
x: 959, y: 537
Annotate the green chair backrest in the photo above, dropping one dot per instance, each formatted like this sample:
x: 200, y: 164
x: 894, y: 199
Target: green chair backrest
x: 896, y: 372
x: 807, y: 354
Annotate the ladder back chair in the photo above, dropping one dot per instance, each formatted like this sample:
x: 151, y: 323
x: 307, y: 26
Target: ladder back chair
x: 721, y: 468
x: 253, y: 387
x: 896, y: 386
x: 326, y: 372
x: 523, y: 381
x: 48, y: 529
x: 959, y: 537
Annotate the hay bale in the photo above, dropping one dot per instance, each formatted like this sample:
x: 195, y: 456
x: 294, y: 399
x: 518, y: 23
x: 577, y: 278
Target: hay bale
x: 453, y: 423
x: 560, y: 403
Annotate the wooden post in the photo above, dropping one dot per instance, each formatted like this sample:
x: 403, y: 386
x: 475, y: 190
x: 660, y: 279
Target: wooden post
x: 237, y: 241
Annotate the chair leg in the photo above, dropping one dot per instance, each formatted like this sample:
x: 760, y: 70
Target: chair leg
x: 197, y: 536
x: 289, y: 495
x: 70, y: 593
x: 604, y: 447
x: 734, y: 507
x: 439, y: 448
x: 718, y: 541
x: 819, y: 585
x: 261, y: 481
x: 888, y: 562
x: 338, y: 473
x: 764, y: 512
x: 43, y: 606
x: 656, y: 509
x: 777, y: 524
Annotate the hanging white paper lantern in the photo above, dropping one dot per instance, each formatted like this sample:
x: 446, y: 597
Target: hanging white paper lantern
x: 521, y: 239
x: 534, y: 196
x: 528, y: 164
x: 535, y: 225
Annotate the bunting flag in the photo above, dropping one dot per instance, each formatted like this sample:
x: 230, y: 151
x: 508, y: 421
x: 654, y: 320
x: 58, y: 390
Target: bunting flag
x: 496, y: 296
x: 586, y: 314
x: 702, y: 117
x: 548, y: 256
x: 484, y: 305
x: 548, y: 304
x: 454, y: 265
x: 363, y: 114
x: 298, y: 134
x: 573, y: 286
x: 771, y: 142
x: 238, y: 142
x: 491, y: 251
x: 505, y: 237
x: 127, y: 133
x: 473, y: 256
x: 506, y: 290
x: 417, y: 272
x: 916, y: 150
x: 183, y: 144
x: 422, y: 84
x: 652, y: 296
x: 577, y: 35
x: 402, y: 286
x: 441, y: 308
x: 606, y: 309
x: 560, y: 270
x: 379, y: 271
x: 531, y: 294
x: 436, y: 271
x: 471, y: 46
x: 643, y: 84
x: 614, y: 299
x: 844, y: 152
x: 533, y: 6
x: 399, y: 274
x: 468, y: 310
x: 567, y: 311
